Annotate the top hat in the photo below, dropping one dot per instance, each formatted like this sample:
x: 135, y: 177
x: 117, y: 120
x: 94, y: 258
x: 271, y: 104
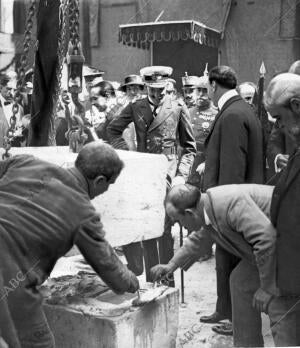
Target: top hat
x: 132, y: 80
x: 156, y: 76
x: 190, y: 81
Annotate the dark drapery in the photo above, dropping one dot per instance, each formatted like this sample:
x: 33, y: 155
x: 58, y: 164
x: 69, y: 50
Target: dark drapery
x: 44, y: 81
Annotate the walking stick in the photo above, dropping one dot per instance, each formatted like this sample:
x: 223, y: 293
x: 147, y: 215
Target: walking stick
x: 181, y: 271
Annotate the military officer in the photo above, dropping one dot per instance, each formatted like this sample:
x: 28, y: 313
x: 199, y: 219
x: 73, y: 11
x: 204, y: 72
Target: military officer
x: 162, y: 124
x: 202, y: 114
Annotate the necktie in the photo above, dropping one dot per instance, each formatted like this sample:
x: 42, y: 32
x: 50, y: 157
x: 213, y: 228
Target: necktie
x: 154, y: 112
x: 67, y: 112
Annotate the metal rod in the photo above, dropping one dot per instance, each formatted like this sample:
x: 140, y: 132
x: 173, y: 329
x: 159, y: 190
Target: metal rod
x: 181, y: 271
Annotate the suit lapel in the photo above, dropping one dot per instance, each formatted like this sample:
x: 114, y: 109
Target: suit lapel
x: 219, y: 114
x: 164, y: 112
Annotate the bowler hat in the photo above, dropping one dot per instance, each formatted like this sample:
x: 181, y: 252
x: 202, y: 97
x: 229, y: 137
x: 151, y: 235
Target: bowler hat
x: 132, y: 80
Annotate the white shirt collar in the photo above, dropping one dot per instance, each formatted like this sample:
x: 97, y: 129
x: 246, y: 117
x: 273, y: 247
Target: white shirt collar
x: 206, y: 218
x: 225, y: 97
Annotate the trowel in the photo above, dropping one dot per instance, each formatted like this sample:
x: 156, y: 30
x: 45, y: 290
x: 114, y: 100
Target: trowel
x: 146, y: 296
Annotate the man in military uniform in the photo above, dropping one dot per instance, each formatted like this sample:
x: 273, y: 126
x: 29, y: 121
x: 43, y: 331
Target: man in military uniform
x: 162, y: 124
x: 202, y: 114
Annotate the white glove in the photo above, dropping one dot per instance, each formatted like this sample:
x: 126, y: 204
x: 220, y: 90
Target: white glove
x: 201, y: 168
x: 178, y: 180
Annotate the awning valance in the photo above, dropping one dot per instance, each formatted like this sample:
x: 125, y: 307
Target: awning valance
x: 142, y: 34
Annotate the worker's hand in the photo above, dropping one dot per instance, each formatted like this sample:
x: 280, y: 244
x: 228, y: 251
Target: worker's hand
x: 133, y: 283
x: 159, y: 271
x: 200, y: 169
x: 261, y: 300
x: 178, y: 180
x: 282, y: 160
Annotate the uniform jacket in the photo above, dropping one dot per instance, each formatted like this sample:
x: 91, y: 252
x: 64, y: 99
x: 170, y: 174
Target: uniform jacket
x: 240, y: 223
x: 234, y: 147
x: 285, y: 214
x: 171, y: 127
x: 202, y: 122
x: 45, y: 209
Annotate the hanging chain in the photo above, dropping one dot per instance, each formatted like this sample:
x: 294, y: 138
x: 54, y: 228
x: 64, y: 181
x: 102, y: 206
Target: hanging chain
x: 63, y: 15
x: 26, y: 47
x: 74, y: 23
x: 13, y: 132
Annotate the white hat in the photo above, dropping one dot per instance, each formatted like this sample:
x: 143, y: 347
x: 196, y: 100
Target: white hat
x: 156, y: 76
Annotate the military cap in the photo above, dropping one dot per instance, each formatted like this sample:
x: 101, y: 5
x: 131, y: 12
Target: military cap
x: 132, y: 80
x: 190, y: 81
x: 203, y: 80
x: 156, y: 76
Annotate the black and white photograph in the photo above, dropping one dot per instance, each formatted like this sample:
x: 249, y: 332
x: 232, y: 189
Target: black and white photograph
x: 149, y: 173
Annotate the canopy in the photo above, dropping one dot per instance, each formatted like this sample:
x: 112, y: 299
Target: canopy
x: 142, y: 34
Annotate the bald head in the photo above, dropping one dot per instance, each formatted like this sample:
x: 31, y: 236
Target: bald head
x: 295, y: 68
x: 282, y: 89
x: 98, y: 158
x: 183, y: 197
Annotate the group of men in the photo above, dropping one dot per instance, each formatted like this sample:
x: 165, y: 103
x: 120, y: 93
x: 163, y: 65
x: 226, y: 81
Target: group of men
x: 254, y: 226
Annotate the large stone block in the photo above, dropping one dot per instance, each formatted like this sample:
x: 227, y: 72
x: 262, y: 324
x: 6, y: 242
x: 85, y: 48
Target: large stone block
x: 132, y: 209
x: 110, y: 321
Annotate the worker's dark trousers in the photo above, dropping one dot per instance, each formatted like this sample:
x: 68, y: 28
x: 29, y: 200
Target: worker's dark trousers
x: 24, y: 313
x: 225, y: 264
x: 155, y: 251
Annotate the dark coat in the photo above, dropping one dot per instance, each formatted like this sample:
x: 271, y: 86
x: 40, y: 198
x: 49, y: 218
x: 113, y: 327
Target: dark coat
x: 234, y: 147
x: 280, y: 142
x: 45, y: 209
x: 162, y: 135
x: 285, y: 208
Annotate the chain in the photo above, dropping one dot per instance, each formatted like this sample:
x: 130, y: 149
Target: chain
x: 13, y: 132
x: 26, y: 47
x: 74, y: 23
x: 63, y: 11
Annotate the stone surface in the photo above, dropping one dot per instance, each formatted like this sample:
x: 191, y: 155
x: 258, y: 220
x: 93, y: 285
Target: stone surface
x: 132, y: 209
x: 80, y: 320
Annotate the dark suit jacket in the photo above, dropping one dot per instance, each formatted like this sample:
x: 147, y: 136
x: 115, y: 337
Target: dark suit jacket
x: 280, y: 142
x: 170, y: 128
x: 234, y: 147
x: 285, y: 215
